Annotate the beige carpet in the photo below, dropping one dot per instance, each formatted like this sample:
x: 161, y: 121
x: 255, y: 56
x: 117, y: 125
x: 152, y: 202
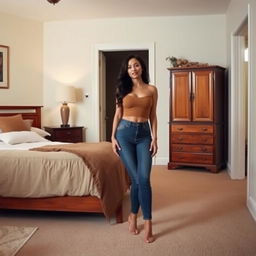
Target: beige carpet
x: 195, y: 213
x: 12, y: 238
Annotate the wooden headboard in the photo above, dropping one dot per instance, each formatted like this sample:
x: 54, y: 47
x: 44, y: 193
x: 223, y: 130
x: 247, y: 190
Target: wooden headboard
x: 27, y: 112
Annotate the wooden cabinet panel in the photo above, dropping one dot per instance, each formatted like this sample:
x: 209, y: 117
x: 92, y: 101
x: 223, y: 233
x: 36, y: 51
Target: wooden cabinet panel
x: 181, y: 91
x: 202, y: 96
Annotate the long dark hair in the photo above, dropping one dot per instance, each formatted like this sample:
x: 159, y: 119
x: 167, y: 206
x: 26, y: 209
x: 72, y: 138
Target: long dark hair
x: 124, y: 82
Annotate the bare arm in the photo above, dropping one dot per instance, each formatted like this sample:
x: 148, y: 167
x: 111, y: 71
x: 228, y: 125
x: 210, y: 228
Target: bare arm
x: 117, y: 117
x: 153, y: 122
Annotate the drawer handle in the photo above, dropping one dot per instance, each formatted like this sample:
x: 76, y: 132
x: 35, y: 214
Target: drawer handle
x: 204, y: 129
x: 204, y: 149
x: 180, y: 138
x: 205, y: 139
x: 180, y: 129
x: 180, y: 148
x: 68, y: 133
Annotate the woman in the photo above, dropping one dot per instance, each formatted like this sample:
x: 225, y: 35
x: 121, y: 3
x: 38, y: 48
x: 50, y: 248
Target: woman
x: 133, y: 139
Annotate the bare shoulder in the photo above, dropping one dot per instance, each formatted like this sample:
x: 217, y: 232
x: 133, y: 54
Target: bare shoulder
x: 152, y: 88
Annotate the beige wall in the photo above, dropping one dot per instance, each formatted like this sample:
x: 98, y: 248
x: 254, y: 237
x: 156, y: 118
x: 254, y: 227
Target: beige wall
x: 68, y: 55
x: 25, y: 39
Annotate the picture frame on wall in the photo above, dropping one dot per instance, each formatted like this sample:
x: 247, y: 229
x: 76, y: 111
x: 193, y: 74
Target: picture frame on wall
x: 4, y: 67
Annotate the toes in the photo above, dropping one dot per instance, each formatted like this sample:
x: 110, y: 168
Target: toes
x: 136, y: 232
x: 150, y: 239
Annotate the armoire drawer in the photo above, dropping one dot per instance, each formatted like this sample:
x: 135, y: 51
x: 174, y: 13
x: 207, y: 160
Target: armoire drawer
x: 192, y: 158
x: 192, y: 128
x: 192, y: 148
x: 192, y: 139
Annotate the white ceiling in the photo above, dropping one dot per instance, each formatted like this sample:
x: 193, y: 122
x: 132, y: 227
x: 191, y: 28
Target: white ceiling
x: 87, y: 9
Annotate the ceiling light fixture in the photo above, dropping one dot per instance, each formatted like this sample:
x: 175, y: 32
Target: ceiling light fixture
x: 53, y: 1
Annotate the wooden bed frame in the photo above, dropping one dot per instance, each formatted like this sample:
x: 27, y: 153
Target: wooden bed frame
x: 62, y: 203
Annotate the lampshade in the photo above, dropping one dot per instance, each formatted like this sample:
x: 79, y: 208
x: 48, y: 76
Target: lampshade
x: 66, y: 94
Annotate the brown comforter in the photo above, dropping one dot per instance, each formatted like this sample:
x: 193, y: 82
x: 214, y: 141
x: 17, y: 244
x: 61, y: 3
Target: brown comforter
x: 107, y: 169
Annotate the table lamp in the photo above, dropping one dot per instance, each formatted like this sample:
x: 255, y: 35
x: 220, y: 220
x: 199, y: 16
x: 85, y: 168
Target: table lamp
x: 65, y: 94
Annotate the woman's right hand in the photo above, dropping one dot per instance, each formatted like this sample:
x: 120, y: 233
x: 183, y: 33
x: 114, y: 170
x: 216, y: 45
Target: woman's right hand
x: 115, y: 146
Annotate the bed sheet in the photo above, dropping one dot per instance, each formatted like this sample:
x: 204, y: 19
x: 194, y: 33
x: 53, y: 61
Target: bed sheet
x: 27, y: 146
x: 25, y: 173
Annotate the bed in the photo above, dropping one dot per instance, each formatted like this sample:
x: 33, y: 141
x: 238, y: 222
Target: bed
x: 91, y: 202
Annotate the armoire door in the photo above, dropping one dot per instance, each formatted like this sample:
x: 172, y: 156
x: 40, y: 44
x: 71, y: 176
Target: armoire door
x: 181, y: 92
x: 202, y: 96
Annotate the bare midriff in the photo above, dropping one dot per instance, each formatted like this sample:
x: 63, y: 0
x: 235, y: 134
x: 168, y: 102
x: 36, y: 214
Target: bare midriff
x: 135, y: 119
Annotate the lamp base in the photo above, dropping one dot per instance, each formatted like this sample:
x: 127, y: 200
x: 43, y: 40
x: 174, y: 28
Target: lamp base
x: 64, y: 125
x: 64, y: 112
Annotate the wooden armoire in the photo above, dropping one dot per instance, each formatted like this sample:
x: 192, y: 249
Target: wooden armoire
x: 198, y: 118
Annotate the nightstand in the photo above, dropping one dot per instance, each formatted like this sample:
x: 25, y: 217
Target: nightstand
x: 65, y: 134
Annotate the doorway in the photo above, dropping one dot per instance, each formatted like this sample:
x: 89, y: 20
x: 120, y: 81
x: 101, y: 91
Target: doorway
x: 98, y: 50
x: 111, y: 62
x: 239, y: 103
x: 244, y: 33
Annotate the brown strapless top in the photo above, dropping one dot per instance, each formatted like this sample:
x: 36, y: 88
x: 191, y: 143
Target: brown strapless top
x: 137, y: 106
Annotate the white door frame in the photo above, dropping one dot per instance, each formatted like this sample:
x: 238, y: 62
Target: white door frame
x: 102, y: 95
x: 251, y: 161
x: 236, y: 166
x: 115, y: 47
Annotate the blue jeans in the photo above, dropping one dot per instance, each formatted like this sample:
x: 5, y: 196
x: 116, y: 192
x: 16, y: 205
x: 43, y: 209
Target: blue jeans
x: 134, y: 139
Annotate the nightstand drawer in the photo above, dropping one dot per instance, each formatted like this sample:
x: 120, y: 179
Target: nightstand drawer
x: 67, y: 134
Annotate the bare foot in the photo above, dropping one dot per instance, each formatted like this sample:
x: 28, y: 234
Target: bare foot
x: 132, y: 221
x: 149, y: 238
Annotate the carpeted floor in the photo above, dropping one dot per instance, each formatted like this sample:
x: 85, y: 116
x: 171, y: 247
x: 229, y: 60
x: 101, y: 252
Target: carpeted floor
x: 196, y: 213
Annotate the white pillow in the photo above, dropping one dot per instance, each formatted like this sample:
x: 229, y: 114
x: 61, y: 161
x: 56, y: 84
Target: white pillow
x: 20, y: 137
x: 40, y: 132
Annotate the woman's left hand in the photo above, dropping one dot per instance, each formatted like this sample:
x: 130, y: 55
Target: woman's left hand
x: 153, y: 148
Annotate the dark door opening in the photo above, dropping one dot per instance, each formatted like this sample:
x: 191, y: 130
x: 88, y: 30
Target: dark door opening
x: 113, y: 61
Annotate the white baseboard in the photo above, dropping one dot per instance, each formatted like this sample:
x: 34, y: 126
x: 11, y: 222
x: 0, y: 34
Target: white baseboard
x: 229, y: 169
x: 234, y: 175
x: 251, y: 204
x: 160, y: 161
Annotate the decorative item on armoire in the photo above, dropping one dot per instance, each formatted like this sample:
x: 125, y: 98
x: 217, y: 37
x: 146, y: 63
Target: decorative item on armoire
x: 65, y: 94
x: 181, y: 62
x: 4, y: 67
x: 198, y: 117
